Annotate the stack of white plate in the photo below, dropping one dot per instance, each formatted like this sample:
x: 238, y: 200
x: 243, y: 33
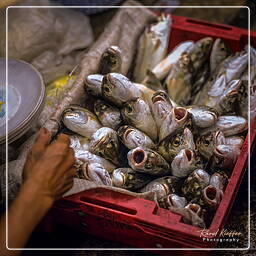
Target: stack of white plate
x: 26, y: 93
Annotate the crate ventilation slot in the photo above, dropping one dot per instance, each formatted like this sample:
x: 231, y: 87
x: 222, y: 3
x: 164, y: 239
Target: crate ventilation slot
x: 218, y: 26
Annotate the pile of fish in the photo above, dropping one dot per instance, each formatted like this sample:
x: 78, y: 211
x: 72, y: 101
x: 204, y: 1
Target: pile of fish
x: 177, y: 130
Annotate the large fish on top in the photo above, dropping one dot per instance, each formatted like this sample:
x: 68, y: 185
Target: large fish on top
x: 153, y: 45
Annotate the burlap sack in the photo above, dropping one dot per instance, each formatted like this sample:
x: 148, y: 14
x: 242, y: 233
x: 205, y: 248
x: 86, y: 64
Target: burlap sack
x: 123, y: 30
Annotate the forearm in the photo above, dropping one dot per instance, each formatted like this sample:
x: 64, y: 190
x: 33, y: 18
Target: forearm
x: 24, y: 214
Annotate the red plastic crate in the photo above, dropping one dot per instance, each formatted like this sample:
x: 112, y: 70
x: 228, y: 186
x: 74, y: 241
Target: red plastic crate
x: 138, y: 222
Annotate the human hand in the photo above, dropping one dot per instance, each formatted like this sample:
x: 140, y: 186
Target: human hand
x: 50, y: 172
x: 42, y: 141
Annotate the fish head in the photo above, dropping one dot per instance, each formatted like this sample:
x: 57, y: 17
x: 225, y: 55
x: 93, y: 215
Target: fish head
x: 118, y: 178
x: 183, y: 163
x: 161, y: 105
x: 100, y: 107
x: 200, y: 51
x: 115, y: 86
x: 225, y: 156
x: 97, y: 173
x: 105, y: 140
x: 74, y: 116
x: 137, y: 157
x: 93, y: 84
x: 212, y: 197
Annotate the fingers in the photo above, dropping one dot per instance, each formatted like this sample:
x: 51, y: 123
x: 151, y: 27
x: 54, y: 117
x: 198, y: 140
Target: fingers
x: 63, y: 138
x: 68, y: 161
x: 43, y: 139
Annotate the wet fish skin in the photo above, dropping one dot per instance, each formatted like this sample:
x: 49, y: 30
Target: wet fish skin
x: 219, y: 180
x: 148, y: 161
x: 153, y: 45
x: 78, y: 142
x: 202, y: 116
x: 108, y: 115
x: 176, y: 119
x: 97, y: 173
x: 127, y: 178
x: 104, y: 142
x: 230, y: 125
x: 93, y: 84
x: 172, y: 145
x: 161, y: 107
x: 195, y: 183
x: 208, y: 142
x: 83, y: 156
x: 133, y: 138
x: 163, y: 186
x: 172, y: 200
x: 225, y: 156
x: 80, y: 120
x: 185, y: 162
x: 162, y: 69
x: 137, y: 113
x: 118, y: 89
x: 219, y: 52
x: 111, y: 60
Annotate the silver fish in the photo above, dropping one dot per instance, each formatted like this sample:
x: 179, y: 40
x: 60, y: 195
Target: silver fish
x: 172, y: 200
x: 206, y: 144
x: 153, y: 45
x: 148, y: 161
x: 78, y: 142
x: 138, y: 114
x: 83, y: 156
x: 175, y: 120
x: 225, y: 156
x: 162, y: 69
x: 202, y: 116
x: 171, y: 146
x: 80, y: 120
x: 219, y: 180
x: 195, y: 183
x: 230, y: 69
x: 111, y: 60
x: 118, y: 89
x: 97, y: 173
x: 161, y: 107
x: 220, y: 51
x: 235, y: 141
x: 211, y: 197
x: 133, y: 138
x: 104, y: 142
x: 108, y: 115
x: 127, y: 178
x: 179, y: 81
x: 163, y: 186
x: 148, y: 93
x: 152, y: 82
x: 93, y: 84
x: 185, y: 162
x: 224, y: 96
x: 229, y: 125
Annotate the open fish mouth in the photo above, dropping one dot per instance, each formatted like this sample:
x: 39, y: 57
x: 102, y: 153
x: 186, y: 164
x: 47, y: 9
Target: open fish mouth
x: 180, y: 114
x: 127, y: 133
x: 139, y: 157
x: 86, y: 171
x: 157, y: 99
x: 188, y: 154
x: 194, y: 208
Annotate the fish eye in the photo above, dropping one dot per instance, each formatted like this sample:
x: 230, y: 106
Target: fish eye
x: 129, y: 109
x: 176, y: 142
x: 207, y: 142
x: 106, y: 89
